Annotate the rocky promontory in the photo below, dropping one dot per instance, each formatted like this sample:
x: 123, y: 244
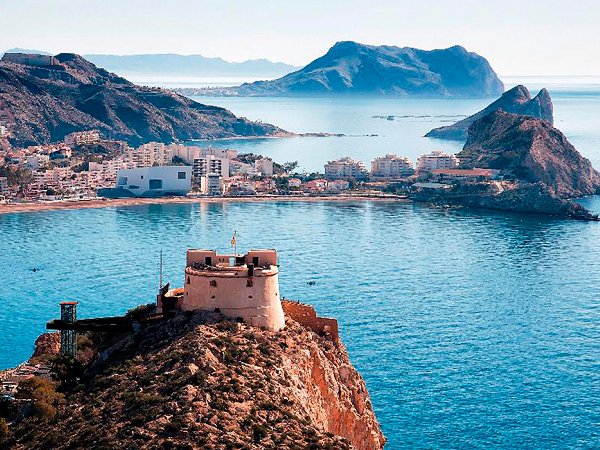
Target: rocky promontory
x: 529, y: 150
x: 202, y: 381
x: 43, y: 103
x: 537, y: 169
x: 517, y: 100
x: 353, y: 68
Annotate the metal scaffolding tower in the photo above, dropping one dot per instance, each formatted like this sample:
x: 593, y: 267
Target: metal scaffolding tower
x: 68, y: 338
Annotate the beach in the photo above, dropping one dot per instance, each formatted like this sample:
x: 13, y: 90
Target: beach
x: 106, y: 202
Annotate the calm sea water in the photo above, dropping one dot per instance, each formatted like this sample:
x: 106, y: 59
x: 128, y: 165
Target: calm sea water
x: 471, y: 329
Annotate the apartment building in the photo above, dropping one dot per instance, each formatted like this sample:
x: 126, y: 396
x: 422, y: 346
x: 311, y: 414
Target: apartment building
x: 391, y: 166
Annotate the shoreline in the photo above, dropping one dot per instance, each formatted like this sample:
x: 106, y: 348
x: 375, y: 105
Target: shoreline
x: 105, y: 202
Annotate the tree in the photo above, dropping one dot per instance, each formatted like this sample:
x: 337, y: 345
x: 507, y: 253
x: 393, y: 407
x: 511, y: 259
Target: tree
x: 42, y: 392
x: 289, y: 166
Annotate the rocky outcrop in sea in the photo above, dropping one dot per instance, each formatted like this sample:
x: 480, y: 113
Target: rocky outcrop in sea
x: 529, y: 150
x: 517, y: 100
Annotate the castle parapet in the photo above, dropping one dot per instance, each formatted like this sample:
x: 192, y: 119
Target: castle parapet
x: 306, y: 316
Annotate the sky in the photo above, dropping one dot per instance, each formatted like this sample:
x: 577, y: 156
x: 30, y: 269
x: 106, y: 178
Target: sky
x: 518, y: 37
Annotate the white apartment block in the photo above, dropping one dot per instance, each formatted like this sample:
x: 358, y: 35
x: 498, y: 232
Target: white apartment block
x: 209, y: 165
x: 345, y: 168
x: 211, y: 184
x: 391, y: 166
x: 190, y: 153
x: 436, y: 160
x: 35, y: 162
x: 82, y: 138
x: 264, y: 167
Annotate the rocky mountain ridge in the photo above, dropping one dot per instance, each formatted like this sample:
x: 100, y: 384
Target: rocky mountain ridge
x: 517, y: 100
x: 200, y: 381
x: 44, y: 103
x: 352, y: 68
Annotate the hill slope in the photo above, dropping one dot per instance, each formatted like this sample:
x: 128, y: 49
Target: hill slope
x: 43, y: 104
x: 530, y: 150
x: 198, y: 381
x: 516, y: 100
x: 353, y: 68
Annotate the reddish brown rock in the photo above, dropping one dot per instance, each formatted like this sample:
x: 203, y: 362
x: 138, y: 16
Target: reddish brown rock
x: 198, y: 381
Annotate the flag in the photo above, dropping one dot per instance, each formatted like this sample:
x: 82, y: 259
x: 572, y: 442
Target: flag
x: 233, y: 239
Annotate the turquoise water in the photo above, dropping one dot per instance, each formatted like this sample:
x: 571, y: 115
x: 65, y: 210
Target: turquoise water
x: 471, y: 329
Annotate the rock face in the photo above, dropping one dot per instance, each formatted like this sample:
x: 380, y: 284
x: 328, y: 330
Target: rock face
x: 529, y: 150
x: 516, y: 100
x: 44, y: 103
x: 47, y: 344
x: 353, y: 68
x: 199, y: 381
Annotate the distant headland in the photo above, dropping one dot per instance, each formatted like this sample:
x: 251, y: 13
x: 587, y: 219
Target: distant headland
x: 357, y: 69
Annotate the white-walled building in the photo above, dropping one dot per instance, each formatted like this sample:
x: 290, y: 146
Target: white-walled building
x: 37, y: 161
x: 436, y: 160
x: 82, y: 138
x: 208, y: 165
x: 391, y: 166
x: 211, y: 184
x: 154, y: 181
x: 264, y: 167
x: 344, y: 168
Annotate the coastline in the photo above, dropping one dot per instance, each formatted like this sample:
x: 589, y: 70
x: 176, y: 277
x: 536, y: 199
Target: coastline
x: 105, y: 202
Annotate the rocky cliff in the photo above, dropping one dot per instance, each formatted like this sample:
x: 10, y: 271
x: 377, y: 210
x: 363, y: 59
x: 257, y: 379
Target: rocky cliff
x: 198, y: 381
x: 516, y: 100
x: 44, y: 103
x: 529, y: 150
x: 353, y: 68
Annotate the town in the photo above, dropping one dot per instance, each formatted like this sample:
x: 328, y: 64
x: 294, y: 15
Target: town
x: 86, y: 166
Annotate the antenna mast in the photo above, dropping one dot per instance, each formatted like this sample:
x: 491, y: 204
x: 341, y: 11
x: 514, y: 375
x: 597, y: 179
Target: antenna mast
x: 160, y: 276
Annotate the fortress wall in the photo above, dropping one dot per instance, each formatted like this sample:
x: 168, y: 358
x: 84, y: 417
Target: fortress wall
x: 254, y: 299
x: 305, y: 315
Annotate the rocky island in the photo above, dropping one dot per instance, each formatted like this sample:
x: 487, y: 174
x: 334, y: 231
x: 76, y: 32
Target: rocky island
x: 44, y: 98
x: 517, y: 100
x: 352, y: 68
x: 537, y: 169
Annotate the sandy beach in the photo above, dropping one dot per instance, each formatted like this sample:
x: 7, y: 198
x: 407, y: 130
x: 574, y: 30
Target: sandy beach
x: 105, y: 203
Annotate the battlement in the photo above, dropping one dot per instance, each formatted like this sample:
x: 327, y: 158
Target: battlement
x: 306, y: 316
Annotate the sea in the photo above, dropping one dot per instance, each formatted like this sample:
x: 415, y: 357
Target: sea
x: 472, y: 329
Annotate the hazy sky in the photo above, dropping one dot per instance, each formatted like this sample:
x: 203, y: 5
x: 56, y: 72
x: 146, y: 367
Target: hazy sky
x: 518, y: 37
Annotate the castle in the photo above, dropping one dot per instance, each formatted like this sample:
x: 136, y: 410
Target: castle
x: 239, y: 286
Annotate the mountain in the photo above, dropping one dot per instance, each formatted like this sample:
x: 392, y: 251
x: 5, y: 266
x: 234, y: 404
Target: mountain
x: 188, y: 65
x: 353, y: 68
x: 529, y: 150
x: 44, y: 103
x: 516, y: 100
x: 199, y: 381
